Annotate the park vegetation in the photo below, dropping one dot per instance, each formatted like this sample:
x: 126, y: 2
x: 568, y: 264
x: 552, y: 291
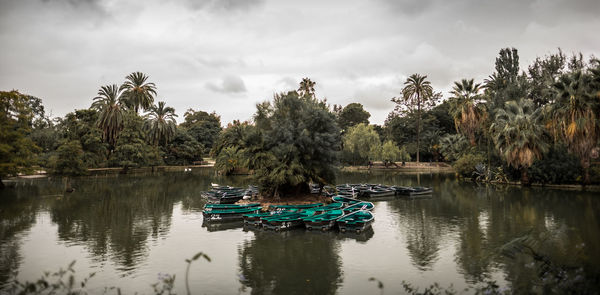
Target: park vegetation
x: 538, y: 125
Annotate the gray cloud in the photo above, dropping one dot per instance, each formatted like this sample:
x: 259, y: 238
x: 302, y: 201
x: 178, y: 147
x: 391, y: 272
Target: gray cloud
x: 355, y: 50
x: 229, y: 84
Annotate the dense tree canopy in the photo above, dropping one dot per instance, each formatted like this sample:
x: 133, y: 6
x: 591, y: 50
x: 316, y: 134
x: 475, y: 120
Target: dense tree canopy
x: 351, y: 115
x: 202, y: 126
x: 17, y: 150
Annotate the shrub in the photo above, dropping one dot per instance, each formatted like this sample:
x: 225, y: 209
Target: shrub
x: 465, y: 165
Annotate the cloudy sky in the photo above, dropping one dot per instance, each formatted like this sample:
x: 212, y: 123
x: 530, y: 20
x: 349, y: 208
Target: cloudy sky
x: 227, y: 55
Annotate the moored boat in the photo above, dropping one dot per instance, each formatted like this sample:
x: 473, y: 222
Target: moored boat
x: 256, y: 218
x: 377, y: 192
x: 323, y: 221
x: 286, y: 221
x: 412, y: 191
x: 356, y: 221
x: 328, y: 207
x: 344, y: 199
x: 302, y: 206
x: 212, y: 206
x: 228, y: 214
x: 360, y: 206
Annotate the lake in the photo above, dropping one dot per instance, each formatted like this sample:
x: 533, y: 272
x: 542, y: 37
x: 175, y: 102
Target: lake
x: 133, y: 229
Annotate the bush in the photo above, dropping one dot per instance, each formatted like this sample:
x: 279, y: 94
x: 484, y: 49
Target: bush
x: 465, y: 165
x: 557, y: 166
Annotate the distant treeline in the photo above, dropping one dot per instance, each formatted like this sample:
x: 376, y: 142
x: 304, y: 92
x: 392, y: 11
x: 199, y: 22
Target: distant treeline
x: 538, y: 125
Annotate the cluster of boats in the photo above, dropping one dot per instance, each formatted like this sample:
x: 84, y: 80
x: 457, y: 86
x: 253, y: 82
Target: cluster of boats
x: 344, y: 213
x: 229, y: 194
x: 377, y: 191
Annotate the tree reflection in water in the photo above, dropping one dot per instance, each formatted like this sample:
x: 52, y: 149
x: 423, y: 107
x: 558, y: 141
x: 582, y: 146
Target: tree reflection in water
x: 294, y: 262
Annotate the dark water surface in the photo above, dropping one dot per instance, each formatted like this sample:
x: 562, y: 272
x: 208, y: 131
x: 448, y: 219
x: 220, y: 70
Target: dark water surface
x: 132, y: 229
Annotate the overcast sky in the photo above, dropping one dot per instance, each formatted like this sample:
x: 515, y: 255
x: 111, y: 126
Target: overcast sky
x: 227, y: 55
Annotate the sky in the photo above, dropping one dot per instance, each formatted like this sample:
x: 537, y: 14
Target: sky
x: 227, y: 55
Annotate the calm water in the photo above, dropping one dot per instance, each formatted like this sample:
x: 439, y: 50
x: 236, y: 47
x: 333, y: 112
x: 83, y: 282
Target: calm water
x: 131, y: 229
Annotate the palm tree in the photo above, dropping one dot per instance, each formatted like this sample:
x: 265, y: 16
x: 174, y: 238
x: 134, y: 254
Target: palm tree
x: 137, y: 92
x: 416, y: 91
x: 111, y: 113
x: 466, y: 109
x: 160, y: 124
x: 307, y: 88
x: 574, y: 114
x: 519, y: 135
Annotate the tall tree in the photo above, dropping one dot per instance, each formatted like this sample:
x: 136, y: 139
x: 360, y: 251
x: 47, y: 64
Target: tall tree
x: 111, y: 113
x: 467, y: 108
x: 17, y: 150
x: 138, y: 93
x: 204, y: 127
x: 300, y: 142
x: 574, y: 115
x: 363, y: 141
x: 307, y: 87
x: 160, y: 124
x: 416, y: 92
x: 519, y: 135
x: 351, y: 115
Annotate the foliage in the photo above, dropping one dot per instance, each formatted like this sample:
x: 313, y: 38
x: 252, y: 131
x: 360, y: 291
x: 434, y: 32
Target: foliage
x: 351, y: 115
x: 402, y: 130
x: 111, y: 112
x: 519, y: 135
x: 466, y: 164
x: 63, y: 281
x: 81, y: 125
x: 202, y: 126
x: 416, y: 95
x: 183, y: 149
x: 467, y: 108
x: 391, y: 152
x: 232, y: 136
x: 137, y: 93
x: 453, y: 146
x: 363, y: 141
x: 296, y: 142
x: 132, y: 149
x: 542, y: 74
x: 68, y: 160
x: 160, y: 124
x: 229, y: 159
x: 17, y: 150
x: 307, y: 88
x: 557, y: 166
x: 574, y: 115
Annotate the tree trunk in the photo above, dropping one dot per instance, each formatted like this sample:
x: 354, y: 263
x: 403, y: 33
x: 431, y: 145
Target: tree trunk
x: 524, y: 177
x: 418, y: 125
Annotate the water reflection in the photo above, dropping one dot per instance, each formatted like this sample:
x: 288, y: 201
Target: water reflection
x: 294, y: 262
x: 118, y: 219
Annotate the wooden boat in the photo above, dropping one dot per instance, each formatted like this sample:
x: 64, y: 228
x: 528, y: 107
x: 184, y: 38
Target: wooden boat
x: 360, y: 206
x: 356, y: 221
x: 345, y: 200
x: 228, y: 214
x: 323, y: 221
x: 286, y: 221
x: 211, y: 206
x: 224, y: 197
x: 256, y: 218
x: 377, y: 192
x: 328, y: 207
x: 412, y: 191
x: 303, y: 206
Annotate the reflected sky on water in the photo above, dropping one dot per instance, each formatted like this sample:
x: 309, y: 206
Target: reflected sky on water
x: 131, y: 229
